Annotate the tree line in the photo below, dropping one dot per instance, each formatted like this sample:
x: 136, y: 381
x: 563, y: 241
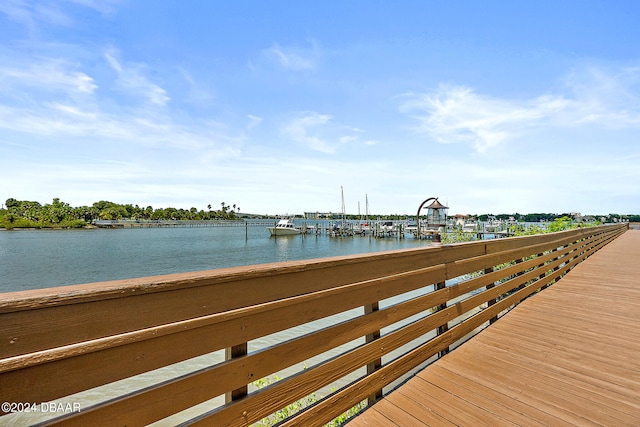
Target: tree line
x: 59, y: 214
x: 549, y: 217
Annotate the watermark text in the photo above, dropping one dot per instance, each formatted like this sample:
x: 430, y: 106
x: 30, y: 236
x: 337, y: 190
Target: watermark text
x: 44, y: 407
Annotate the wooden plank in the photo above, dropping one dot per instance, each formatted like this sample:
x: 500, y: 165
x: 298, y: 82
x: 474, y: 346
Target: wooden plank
x: 567, y: 395
x: 446, y: 400
x: 374, y: 419
x: 418, y: 410
x: 501, y: 404
x: 397, y: 415
x: 527, y: 360
x: 512, y: 384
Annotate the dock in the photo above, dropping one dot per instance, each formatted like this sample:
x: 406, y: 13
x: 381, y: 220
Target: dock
x: 568, y: 357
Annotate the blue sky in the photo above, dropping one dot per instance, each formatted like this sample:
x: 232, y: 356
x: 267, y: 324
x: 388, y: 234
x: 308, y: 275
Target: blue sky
x: 492, y: 106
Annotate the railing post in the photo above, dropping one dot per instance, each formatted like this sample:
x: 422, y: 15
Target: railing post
x: 442, y: 328
x: 541, y: 267
x: 520, y: 273
x: 493, y: 300
x: 233, y: 353
x: 377, y: 363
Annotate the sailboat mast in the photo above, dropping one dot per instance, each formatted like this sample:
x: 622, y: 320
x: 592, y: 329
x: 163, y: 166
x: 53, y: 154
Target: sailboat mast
x: 366, y: 207
x: 342, y: 194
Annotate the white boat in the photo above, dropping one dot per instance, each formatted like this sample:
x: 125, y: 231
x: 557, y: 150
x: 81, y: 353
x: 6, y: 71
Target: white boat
x: 386, y: 226
x: 284, y: 227
x: 469, y: 227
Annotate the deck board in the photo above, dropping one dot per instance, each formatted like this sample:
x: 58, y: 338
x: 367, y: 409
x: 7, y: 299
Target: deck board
x: 570, y: 355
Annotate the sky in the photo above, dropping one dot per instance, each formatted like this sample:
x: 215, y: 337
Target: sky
x: 283, y: 107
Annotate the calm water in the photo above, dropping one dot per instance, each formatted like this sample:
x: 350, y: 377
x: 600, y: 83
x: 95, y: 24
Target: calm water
x: 33, y: 259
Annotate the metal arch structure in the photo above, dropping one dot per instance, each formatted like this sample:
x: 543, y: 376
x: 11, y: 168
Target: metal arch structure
x: 418, y: 215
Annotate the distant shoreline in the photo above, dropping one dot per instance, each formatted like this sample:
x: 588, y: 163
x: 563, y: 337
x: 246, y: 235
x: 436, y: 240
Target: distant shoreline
x: 86, y: 227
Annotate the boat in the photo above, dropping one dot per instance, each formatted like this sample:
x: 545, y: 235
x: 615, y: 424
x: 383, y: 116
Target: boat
x: 386, y: 226
x: 492, y: 225
x: 410, y: 226
x: 284, y: 227
x: 469, y: 227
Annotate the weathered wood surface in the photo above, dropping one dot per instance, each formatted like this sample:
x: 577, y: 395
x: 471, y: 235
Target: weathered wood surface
x: 55, y: 342
x: 569, y: 356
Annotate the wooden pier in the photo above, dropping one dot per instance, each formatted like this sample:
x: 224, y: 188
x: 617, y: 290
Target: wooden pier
x: 566, y: 356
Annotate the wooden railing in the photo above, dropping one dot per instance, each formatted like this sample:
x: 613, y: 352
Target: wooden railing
x: 414, y: 304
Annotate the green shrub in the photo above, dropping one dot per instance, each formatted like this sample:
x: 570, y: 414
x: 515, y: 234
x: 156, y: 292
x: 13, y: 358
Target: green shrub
x: 299, y: 405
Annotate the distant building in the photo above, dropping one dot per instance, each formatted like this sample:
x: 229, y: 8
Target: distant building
x: 318, y: 215
x: 459, y: 219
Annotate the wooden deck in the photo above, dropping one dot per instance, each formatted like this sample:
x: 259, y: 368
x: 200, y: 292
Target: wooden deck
x: 568, y: 356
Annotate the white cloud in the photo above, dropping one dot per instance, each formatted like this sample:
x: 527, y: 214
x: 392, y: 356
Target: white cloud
x: 254, y: 121
x: 23, y: 13
x: 199, y: 94
x: 320, y: 133
x: 300, y: 130
x: 457, y: 114
x: 74, y: 111
x: 605, y: 96
x: 290, y: 58
x: 58, y: 121
x: 103, y: 6
x: 131, y: 79
x: 31, y: 14
x: 49, y: 75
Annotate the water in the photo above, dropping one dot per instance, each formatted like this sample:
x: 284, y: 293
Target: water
x: 34, y: 259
